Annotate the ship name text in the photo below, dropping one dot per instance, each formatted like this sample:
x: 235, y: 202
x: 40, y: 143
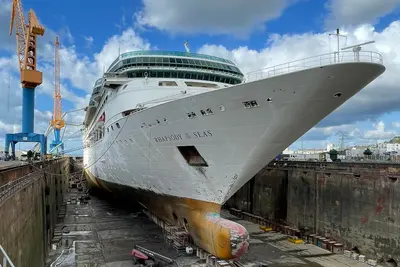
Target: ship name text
x: 182, y: 136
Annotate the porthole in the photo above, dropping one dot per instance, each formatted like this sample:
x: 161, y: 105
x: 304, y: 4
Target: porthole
x: 337, y: 95
x: 269, y: 99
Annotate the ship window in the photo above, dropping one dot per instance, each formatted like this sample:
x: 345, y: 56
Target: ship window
x: 178, y: 60
x: 180, y: 75
x: 167, y: 74
x: 185, y: 61
x: 192, y: 156
x: 153, y: 74
x: 159, y: 60
x: 172, y: 60
x: 117, y: 124
x: 112, y: 128
x: 166, y: 60
x: 174, y: 75
x: 145, y: 60
x: 167, y: 83
x: 108, y: 130
x: 199, y: 84
x: 191, y: 61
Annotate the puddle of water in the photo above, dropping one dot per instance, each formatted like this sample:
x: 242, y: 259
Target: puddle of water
x: 77, y: 233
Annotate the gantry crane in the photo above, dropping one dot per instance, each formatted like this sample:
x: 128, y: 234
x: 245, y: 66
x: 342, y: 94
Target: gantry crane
x: 26, y: 34
x: 57, y: 123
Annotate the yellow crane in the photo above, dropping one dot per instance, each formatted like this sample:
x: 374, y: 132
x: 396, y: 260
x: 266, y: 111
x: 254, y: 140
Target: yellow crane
x: 57, y: 123
x: 26, y: 44
x: 26, y: 34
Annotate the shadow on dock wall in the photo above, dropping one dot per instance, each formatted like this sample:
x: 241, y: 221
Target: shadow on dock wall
x: 356, y: 204
x: 28, y: 215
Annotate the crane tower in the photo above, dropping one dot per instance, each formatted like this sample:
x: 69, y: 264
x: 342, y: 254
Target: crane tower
x: 57, y: 123
x: 26, y: 35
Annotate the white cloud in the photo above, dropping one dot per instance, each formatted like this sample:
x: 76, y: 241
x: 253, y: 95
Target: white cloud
x: 348, y: 131
x: 355, y: 12
x: 380, y: 97
x: 235, y: 17
x: 89, y: 40
x: 127, y: 41
x: 379, y: 132
x: 396, y: 124
x: 77, y: 70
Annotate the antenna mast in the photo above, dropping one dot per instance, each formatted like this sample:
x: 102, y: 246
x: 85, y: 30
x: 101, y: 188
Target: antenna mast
x: 187, y: 47
x: 338, y: 35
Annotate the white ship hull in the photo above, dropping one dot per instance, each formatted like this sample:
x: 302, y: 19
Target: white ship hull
x: 236, y: 142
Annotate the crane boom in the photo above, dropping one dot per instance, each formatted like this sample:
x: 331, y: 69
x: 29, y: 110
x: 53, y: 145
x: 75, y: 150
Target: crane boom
x: 17, y: 18
x: 57, y: 122
x: 26, y: 44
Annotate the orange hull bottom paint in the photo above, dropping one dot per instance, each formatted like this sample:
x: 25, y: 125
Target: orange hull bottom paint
x: 223, y: 238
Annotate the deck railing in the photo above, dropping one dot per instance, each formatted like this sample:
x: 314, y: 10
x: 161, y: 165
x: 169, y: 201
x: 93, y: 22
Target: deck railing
x: 315, y: 61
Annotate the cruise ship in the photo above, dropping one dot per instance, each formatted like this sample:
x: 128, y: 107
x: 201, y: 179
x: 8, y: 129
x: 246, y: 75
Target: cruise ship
x: 181, y: 132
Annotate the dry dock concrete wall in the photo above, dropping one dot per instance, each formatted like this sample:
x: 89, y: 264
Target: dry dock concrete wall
x: 29, y: 206
x: 356, y: 204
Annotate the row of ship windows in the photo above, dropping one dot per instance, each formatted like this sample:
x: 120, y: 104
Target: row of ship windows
x: 183, y: 75
x: 175, y: 62
x: 100, y: 133
x: 178, y: 75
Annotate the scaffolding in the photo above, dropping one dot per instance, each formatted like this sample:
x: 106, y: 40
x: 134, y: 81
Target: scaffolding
x: 176, y: 236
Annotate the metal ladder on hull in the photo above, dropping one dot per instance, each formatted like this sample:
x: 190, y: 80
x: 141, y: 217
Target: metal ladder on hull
x: 6, y: 262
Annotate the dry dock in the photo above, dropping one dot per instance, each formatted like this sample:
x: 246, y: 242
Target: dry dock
x: 46, y: 222
x: 103, y: 231
x: 356, y: 204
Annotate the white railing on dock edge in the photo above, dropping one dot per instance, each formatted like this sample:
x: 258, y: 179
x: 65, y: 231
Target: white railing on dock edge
x: 10, y: 188
x: 315, y: 61
x: 6, y: 261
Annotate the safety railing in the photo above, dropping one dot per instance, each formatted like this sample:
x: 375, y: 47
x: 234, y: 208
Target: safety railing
x: 14, y: 186
x: 315, y: 61
x: 6, y: 261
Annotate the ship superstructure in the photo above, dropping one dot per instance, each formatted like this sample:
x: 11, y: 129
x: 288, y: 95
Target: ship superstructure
x: 185, y: 131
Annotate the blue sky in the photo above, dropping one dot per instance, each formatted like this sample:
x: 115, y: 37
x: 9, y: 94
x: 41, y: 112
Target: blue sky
x: 254, y: 36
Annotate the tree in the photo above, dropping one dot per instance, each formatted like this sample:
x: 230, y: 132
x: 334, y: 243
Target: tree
x: 367, y: 152
x: 333, y: 154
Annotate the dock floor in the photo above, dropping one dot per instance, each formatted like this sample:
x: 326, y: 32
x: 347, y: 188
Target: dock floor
x: 103, y: 233
x: 274, y: 249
